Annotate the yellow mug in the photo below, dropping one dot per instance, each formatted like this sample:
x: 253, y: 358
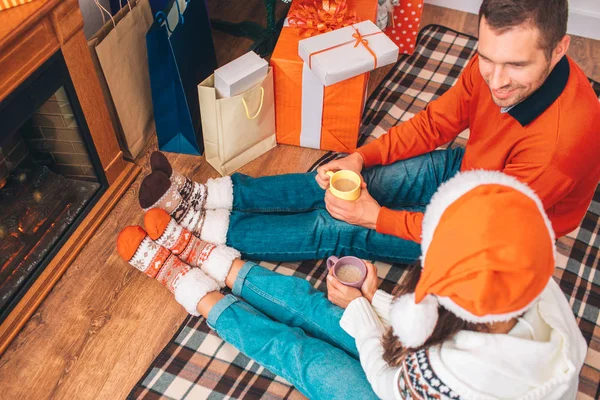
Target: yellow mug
x: 344, y: 184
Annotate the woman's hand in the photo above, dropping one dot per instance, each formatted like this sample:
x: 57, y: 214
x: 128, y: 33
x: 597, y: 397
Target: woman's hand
x: 371, y: 283
x: 340, y: 294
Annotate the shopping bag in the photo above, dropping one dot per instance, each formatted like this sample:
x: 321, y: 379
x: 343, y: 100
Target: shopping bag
x: 181, y: 54
x: 119, y: 55
x: 237, y: 129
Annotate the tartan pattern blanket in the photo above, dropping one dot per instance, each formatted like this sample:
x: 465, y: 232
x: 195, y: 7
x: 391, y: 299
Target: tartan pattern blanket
x: 197, y: 364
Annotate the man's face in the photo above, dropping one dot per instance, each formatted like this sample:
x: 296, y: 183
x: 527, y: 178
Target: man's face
x: 511, y: 62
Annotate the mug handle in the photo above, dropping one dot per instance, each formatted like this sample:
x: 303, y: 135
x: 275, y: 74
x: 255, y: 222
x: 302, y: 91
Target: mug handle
x: 330, y: 173
x: 331, y: 261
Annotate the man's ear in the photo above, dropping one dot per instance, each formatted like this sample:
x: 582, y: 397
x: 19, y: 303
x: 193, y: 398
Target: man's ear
x: 560, y: 50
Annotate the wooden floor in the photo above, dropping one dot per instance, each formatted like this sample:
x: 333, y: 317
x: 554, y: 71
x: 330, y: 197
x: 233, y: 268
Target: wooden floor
x: 103, y: 324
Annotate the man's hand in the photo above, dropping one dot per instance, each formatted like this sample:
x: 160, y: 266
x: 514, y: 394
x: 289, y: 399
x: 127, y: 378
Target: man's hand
x: 371, y: 283
x: 354, y: 162
x: 340, y: 294
x: 363, y: 211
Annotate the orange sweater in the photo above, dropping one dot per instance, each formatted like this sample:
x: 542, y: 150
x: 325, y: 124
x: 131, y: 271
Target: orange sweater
x: 551, y: 141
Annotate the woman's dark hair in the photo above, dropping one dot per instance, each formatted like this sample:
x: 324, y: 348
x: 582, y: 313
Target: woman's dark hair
x: 549, y: 16
x: 447, y: 325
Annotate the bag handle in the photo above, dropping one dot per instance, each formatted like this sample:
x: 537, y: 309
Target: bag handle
x: 262, y: 97
x: 128, y: 3
x: 161, y: 17
x: 104, y: 10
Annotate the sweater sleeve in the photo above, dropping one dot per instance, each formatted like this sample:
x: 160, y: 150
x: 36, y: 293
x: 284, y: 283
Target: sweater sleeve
x: 403, y: 224
x: 360, y: 321
x: 441, y: 121
x: 382, y: 301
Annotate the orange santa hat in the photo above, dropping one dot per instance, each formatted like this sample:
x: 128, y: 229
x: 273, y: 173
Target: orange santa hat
x: 487, y: 255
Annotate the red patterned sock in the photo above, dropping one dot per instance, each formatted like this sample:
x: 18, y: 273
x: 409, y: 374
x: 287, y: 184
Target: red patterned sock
x: 189, y: 285
x: 215, y: 260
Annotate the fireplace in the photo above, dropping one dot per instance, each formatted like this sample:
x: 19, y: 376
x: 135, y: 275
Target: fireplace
x: 50, y: 176
x: 61, y: 169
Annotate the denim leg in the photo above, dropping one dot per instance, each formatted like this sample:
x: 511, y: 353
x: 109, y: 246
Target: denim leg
x: 413, y: 181
x: 287, y: 193
x: 294, y: 302
x: 399, y: 185
x: 316, y: 368
x: 310, y: 236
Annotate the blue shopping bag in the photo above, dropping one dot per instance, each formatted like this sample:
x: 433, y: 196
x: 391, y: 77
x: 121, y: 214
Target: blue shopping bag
x: 159, y: 5
x: 181, y: 54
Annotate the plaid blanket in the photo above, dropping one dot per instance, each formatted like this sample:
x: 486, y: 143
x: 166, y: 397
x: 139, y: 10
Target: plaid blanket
x: 197, y: 364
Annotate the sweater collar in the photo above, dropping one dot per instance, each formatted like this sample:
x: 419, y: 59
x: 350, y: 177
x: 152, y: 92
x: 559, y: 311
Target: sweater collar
x: 533, y: 106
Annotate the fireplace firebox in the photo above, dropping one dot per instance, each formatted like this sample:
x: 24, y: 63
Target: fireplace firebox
x: 50, y: 176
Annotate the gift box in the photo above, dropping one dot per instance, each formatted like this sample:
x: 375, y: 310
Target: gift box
x: 403, y: 24
x: 346, y: 52
x: 307, y: 113
x: 5, y: 5
x: 240, y: 74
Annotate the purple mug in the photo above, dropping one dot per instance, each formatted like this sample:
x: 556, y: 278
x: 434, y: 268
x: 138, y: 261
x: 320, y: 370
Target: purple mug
x: 333, y: 264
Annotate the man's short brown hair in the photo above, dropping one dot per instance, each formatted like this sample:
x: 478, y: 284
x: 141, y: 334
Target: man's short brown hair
x: 549, y: 16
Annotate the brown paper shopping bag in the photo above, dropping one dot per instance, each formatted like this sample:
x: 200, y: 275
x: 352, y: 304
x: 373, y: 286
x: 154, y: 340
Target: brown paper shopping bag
x: 119, y: 53
x: 237, y: 129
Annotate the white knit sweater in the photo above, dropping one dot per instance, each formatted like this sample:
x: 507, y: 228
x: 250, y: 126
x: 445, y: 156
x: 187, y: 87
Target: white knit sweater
x: 540, y: 358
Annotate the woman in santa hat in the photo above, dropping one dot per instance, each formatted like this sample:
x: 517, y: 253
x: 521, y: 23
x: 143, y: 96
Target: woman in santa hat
x: 482, y: 319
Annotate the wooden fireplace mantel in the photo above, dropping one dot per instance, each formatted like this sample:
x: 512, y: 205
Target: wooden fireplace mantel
x: 29, y: 35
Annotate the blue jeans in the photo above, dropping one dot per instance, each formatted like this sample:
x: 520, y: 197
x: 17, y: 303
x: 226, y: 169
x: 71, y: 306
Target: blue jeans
x: 292, y: 330
x: 283, y: 217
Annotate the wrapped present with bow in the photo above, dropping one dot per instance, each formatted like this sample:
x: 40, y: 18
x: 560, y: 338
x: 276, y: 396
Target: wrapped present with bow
x: 308, y: 113
x: 346, y: 52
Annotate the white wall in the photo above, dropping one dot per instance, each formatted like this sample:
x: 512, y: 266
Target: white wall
x: 92, y: 18
x: 584, y: 15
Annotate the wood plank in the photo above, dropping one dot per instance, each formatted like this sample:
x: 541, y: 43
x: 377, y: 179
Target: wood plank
x: 89, y: 94
x: 15, y: 21
x: 19, y: 61
x: 103, y: 323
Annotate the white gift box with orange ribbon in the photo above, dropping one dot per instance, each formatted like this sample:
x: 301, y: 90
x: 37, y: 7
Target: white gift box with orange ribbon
x: 347, y: 52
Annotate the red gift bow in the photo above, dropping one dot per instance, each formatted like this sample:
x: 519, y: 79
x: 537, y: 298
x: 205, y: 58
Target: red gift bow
x: 360, y: 39
x: 320, y: 17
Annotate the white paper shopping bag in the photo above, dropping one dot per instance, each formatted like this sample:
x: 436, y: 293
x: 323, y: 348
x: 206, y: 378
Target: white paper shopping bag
x: 237, y: 129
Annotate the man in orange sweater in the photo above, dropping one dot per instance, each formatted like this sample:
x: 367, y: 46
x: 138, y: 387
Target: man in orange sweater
x: 531, y: 113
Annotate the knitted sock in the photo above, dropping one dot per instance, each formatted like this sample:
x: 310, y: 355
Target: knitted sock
x: 194, y: 193
x: 189, y: 285
x: 157, y: 191
x: 214, y: 260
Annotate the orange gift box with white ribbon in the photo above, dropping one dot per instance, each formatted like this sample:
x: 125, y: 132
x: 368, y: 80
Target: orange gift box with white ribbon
x: 346, y: 52
x: 299, y: 93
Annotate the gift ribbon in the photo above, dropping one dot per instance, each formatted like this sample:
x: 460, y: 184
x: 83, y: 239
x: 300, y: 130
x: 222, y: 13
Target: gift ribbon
x: 359, y: 39
x: 321, y: 17
x: 313, y: 92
